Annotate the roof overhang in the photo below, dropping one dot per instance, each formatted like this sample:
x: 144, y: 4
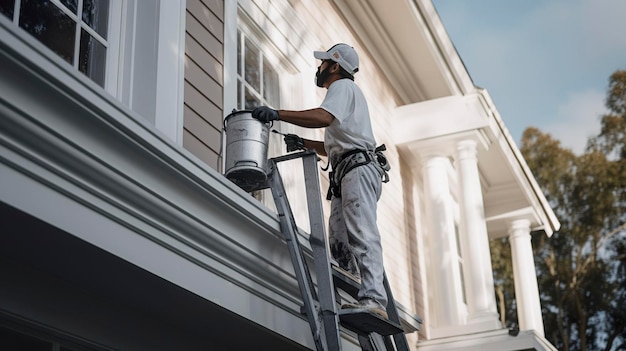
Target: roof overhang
x: 510, y: 191
x: 411, y: 46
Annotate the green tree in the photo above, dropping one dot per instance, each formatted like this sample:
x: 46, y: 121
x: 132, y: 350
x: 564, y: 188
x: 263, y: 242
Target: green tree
x: 581, y: 267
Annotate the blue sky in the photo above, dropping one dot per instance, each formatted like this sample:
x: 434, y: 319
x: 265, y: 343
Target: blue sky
x: 545, y: 63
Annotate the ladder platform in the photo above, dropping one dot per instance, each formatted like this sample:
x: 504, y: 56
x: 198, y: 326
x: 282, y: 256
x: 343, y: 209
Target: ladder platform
x: 363, y: 322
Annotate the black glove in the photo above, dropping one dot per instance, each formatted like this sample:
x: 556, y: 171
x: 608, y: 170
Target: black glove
x: 294, y: 142
x: 265, y: 114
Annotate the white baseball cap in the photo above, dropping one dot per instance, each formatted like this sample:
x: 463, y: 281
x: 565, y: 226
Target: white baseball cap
x: 343, y: 54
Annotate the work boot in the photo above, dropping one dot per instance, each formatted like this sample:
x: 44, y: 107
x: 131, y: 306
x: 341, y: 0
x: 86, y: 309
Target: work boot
x: 369, y: 305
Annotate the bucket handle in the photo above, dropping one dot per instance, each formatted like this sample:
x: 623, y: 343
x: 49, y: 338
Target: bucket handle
x: 224, y: 124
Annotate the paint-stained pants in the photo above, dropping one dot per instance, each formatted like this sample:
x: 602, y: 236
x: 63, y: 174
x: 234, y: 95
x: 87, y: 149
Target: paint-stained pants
x: 354, y: 236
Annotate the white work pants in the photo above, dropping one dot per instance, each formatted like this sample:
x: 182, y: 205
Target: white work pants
x: 354, y: 237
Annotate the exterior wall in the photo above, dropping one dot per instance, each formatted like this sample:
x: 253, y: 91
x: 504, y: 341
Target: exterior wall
x: 204, y: 79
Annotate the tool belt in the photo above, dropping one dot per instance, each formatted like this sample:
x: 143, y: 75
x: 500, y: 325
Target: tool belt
x: 352, y: 159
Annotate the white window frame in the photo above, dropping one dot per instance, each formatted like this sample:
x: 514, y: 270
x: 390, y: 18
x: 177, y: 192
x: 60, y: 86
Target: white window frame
x: 295, y: 66
x: 171, y: 69
x: 111, y: 43
x: 162, y: 82
x: 154, y: 87
x: 257, y: 43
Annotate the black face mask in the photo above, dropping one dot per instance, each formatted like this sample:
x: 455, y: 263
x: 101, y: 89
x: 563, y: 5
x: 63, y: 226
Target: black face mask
x: 321, y: 77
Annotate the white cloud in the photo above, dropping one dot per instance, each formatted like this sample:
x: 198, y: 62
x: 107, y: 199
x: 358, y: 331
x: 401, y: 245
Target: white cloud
x: 578, y: 118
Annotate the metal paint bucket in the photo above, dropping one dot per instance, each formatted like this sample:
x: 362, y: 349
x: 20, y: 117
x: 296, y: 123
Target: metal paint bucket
x: 246, y: 150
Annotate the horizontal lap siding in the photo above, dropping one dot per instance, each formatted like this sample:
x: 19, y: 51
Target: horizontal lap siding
x: 204, y: 80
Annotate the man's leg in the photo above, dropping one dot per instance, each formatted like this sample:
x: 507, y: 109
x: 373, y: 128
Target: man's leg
x: 340, y: 247
x: 360, y: 191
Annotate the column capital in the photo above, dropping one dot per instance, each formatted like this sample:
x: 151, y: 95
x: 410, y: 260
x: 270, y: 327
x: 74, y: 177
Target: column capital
x: 466, y: 149
x: 519, y: 228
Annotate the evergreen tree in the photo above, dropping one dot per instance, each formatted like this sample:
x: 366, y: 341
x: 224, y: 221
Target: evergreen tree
x: 581, y: 268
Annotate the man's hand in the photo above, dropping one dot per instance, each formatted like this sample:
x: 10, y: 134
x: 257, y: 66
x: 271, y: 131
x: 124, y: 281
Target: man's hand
x: 294, y: 142
x: 265, y: 114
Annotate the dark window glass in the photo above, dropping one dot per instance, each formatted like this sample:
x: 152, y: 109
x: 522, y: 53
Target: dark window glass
x: 72, y: 5
x: 14, y: 341
x: 50, y: 25
x: 251, y: 100
x: 7, y: 7
x: 252, y: 66
x: 96, y: 15
x: 239, y: 87
x: 270, y: 85
x: 92, y: 58
x: 238, y: 53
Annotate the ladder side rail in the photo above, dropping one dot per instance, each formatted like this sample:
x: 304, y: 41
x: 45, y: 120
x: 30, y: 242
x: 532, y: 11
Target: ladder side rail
x: 288, y: 228
x: 392, y: 311
x: 319, y: 246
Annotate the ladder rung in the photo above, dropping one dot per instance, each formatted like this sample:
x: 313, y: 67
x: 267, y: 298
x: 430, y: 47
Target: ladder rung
x: 363, y: 322
x: 345, y: 281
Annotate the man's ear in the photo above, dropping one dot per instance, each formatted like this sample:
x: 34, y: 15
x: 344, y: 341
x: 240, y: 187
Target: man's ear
x: 335, y: 68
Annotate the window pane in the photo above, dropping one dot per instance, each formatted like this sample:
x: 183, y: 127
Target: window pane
x: 239, y: 87
x: 239, y: 53
x: 252, y: 66
x: 6, y: 8
x: 270, y: 85
x: 92, y: 59
x: 251, y: 100
x: 49, y: 25
x: 71, y: 4
x: 96, y: 15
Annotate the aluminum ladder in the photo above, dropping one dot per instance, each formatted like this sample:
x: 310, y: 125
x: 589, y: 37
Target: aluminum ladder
x: 321, y: 305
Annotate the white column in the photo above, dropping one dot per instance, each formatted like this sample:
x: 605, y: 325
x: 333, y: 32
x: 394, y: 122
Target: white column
x: 481, y: 303
x: 526, y: 290
x: 446, y: 277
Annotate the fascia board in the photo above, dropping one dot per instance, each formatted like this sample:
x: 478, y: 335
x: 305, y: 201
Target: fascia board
x: 454, y: 66
x: 525, y: 179
x: 400, y: 37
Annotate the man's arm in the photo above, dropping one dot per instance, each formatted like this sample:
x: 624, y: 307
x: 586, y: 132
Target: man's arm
x: 313, y: 118
x: 318, y: 146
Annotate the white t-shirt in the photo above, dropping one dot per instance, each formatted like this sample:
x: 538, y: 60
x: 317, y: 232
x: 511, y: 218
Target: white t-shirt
x: 351, y: 129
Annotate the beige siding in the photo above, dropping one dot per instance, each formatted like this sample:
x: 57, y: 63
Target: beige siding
x: 204, y: 83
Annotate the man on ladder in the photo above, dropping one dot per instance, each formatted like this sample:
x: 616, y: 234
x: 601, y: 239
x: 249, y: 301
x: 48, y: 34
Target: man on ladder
x: 358, y: 170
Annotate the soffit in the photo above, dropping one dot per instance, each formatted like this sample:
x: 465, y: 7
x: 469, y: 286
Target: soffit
x: 410, y: 45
